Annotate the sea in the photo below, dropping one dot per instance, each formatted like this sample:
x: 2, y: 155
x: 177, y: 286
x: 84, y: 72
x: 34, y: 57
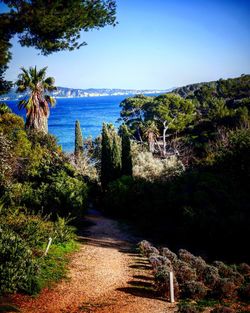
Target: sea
x: 92, y: 112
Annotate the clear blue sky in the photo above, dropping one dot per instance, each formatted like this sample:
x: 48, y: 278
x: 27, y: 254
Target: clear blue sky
x: 157, y: 44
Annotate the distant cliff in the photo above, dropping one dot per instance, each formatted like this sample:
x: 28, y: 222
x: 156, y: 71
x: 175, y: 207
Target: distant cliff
x: 64, y: 92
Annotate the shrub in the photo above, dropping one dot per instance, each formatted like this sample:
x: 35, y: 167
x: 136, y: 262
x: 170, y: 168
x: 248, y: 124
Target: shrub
x: 8, y: 161
x: 146, y: 248
x: 226, y: 271
x: 33, y: 228
x: 210, y: 276
x: 188, y: 308
x: 63, y: 232
x: 184, y: 272
x: 4, y: 108
x: 68, y: 195
x: 162, y: 281
x: 196, y: 262
x: 244, y: 269
x: 244, y: 292
x: 157, y: 260
x: 169, y: 254
x: 223, y: 309
x: 194, y: 290
x: 24, y: 194
x: 186, y: 256
x: 150, y: 168
x: 224, y: 289
x: 17, y: 268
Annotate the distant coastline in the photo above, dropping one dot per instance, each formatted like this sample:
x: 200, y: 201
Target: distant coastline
x: 64, y: 92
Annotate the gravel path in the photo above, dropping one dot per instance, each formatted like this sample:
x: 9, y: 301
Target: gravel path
x: 105, y: 275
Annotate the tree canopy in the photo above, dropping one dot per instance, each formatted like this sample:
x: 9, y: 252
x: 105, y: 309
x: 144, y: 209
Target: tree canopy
x: 172, y: 109
x: 50, y: 26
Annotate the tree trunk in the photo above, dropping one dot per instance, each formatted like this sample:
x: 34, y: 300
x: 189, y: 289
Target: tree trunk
x: 151, y: 142
x: 44, y: 124
x: 164, y: 137
x: 37, y: 117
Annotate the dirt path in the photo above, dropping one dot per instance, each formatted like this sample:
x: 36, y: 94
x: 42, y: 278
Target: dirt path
x: 105, y: 276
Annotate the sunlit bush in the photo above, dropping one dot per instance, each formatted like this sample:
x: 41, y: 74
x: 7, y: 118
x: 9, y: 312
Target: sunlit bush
x: 184, y: 272
x: 162, y: 277
x: 146, y: 166
x: 17, y: 268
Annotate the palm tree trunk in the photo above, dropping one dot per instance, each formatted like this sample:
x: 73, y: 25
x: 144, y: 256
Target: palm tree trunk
x: 43, y: 124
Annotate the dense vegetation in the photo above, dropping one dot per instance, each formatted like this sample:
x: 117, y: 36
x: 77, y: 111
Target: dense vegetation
x: 196, y: 280
x: 192, y: 188
x: 39, y: 189
x: 178, y: 168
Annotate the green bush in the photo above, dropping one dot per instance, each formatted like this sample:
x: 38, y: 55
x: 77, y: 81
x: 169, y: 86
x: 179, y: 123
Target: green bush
x: 18, y: 270
x: 32, y: 228
x: 63, y: 232
x: 189, y: 308
x: 66, y: 194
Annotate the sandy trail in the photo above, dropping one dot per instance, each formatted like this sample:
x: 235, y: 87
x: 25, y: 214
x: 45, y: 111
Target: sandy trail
x: 105, y: 275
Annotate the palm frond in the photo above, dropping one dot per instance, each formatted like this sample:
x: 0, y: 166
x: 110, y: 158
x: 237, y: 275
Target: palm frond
x: 41, y: 73
x: 22, y: 104
x: 50, y: 100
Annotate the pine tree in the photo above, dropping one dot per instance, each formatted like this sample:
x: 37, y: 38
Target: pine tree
x: 78, y: 139
x: 126, y: 157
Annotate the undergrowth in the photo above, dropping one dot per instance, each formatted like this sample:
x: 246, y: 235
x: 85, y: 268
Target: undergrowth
x: 53, y: 267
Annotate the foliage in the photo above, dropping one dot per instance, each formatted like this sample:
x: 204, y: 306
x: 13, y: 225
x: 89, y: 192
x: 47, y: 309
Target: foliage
x: 132, y: 113
x: 53, y: 267
x: 78, y: 140
x: 35, y: 173
x: 63, y: 232
x: 50, y: 26
x: 17, y: 266
x: 153, y: 115
x: 173, y: 109
x: 223, y: 309
x: 188, y: 308
x: 127, y: 166
x: 207, y: 206
x: 23, y: 239
x: 150, y: 168
x: 111, y: 155
x: 4, y: 108
x: 194, y: 113
x: 193, y: 278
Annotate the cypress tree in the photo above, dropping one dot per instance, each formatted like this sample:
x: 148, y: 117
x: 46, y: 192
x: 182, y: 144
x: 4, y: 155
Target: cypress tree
x: 116, y: 156
x: 111, y: 155
x: 78, y: 139
x: 127, y: 167
x: 106, y: 163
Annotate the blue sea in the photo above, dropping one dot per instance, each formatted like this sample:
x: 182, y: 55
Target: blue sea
x: 90, y: 111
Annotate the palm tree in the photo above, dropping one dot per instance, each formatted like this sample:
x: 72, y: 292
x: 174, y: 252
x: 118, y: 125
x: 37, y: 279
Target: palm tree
x: 38, y: 104
x: 150, y: 132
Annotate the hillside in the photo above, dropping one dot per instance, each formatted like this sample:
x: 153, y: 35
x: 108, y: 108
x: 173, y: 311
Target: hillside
x: 65, y: 92
x: 189, y: 90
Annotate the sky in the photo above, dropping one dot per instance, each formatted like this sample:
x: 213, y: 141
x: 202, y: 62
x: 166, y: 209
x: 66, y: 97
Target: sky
x: 156, y: 45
